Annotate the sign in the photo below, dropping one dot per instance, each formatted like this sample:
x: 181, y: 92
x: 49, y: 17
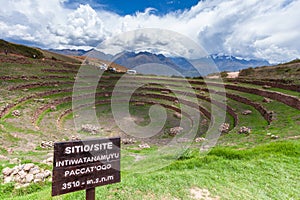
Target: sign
x: 83, y: 165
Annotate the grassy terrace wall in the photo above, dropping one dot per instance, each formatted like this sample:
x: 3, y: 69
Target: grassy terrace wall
x: 274, y: 84
x: 241, y: 166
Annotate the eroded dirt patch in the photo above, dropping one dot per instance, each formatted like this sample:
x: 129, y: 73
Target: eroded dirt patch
x: 202, y: 194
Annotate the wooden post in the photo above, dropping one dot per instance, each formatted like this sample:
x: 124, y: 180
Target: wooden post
x: 90, y: 194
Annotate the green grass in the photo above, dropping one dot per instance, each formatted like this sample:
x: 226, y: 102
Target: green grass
x: 287, y: 118
x: 20, y: 49
x: 267, y: 171
x: 240, y: 166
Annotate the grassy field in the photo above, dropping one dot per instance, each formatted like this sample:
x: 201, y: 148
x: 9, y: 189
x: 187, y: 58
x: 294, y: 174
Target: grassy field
x: 240, y: 166
x: 267, y: 171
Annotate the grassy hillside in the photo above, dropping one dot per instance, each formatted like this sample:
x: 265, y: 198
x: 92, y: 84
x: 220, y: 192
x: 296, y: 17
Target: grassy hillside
x: 31, y: 52
x: 19, y: 49
x: 259, y: 165
x: 289, y: 71
x: 59, y: 57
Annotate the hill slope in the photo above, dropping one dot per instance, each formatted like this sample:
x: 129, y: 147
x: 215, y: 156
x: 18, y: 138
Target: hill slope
x: 32, y: 52
x: 36, y: 109
x: 289, y: 71
x: 19, y: 49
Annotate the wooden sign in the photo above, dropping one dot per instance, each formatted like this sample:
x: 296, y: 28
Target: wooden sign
x: 83, y: 165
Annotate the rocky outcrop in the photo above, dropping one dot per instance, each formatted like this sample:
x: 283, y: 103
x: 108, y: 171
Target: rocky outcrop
x: 144, y: 146
x: 199, y: 139
x: 128, y: 141
x: 47, y: 144
x: 244, y: 130
x: 89, y: 128
x: 224, y: 128
x: 16, y: 113
x: 246, y: 112
x: 25, y: 174
x: 175, y: 131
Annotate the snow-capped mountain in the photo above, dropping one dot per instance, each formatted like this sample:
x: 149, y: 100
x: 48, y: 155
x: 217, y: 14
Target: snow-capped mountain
x: 232, y: 63
x: 182, y: 65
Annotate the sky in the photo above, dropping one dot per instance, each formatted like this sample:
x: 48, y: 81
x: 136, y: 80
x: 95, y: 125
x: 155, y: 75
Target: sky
x: 267, y: 29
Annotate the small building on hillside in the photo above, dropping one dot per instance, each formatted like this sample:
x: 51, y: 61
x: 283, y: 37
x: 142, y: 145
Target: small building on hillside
x: 102, y: 67
x: 131, y: 71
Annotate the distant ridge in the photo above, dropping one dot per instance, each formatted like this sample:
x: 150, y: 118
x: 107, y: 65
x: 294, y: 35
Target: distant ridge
x: 69, y: 52
x: 232, y: 63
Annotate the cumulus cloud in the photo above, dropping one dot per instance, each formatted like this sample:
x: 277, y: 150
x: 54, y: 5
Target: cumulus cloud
x: 246, y: 28
x: 159, y: 41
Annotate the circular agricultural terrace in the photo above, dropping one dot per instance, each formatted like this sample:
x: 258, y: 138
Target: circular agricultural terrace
x: 38, y: 102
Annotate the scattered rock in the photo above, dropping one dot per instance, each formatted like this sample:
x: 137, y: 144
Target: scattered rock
x: 90, y: 128
x: 139, y: 104
x: 8, y: 179
x: 199, y: 139
x: 37, y: 180
x: 16, y: 113
x: 29, y: 178
x: 28, y: 166
x: 176, y: 101
x: 47, y: 144
x: 47, y: 173
x: 224, y: 128
x: 7, y: 171
x: 48, y: 161
x: 272, y: 115
x: 247, y: 112
x: 144, y: 146
x: 175, y: 131
x: 202, y: 92
x: 165, y: 92
x: 25, y: 90
x: 177, y: 115
x: 53, y: 108
x: 22, y: 174
x: 128, y: 141
x: 274, y: 137
x: 34, y: 170
x: 267, y: 100
x: 39, y: 176
x: 74, y: 138
x: 244, y: 130
x: 269, y: 134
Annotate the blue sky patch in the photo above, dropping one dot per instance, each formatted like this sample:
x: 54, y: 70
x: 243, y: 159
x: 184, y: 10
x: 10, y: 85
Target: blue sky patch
x: 125, y: 7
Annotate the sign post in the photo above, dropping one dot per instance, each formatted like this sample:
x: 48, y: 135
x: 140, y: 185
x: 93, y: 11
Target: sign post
x: 84, y: 165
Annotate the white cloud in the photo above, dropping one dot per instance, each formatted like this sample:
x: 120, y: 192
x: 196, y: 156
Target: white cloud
x: 248, y: 28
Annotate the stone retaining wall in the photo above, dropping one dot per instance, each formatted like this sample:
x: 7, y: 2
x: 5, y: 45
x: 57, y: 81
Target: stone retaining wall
x: 272, y: 84
x: 278, y: 96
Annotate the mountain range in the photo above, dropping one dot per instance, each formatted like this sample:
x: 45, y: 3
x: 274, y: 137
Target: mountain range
x: 185, y: 67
